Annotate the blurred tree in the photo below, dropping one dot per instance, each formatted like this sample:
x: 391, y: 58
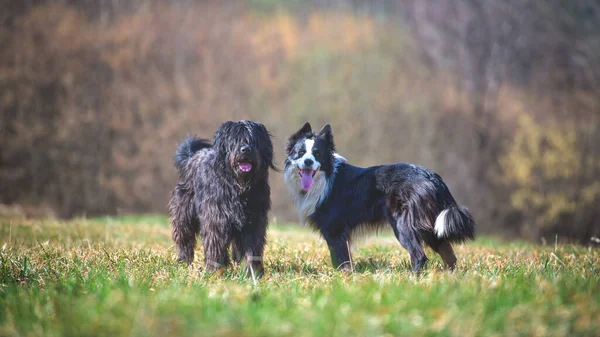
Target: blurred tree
x: 500, y: 97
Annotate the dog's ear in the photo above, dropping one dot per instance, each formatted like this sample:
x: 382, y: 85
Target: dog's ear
x: 305, y: 130
x: 327, y: 134
x: 265, y: 141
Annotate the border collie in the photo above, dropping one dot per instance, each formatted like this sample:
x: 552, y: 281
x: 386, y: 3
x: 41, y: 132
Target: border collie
x: 339, y: 200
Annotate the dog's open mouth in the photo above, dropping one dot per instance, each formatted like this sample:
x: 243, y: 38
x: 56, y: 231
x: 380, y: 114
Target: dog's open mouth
x: 306, y: 178
x: 245, y: 166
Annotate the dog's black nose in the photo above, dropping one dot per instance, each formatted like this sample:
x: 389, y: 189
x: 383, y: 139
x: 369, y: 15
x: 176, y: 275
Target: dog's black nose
x: 308, y: 162
x: 246, y: 149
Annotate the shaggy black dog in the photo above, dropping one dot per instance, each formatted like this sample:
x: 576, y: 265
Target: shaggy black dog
x: 223, y: 194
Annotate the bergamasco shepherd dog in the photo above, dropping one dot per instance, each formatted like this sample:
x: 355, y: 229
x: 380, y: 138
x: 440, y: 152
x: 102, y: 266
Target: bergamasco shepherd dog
x: 341, y: 200
x: 223, y: 195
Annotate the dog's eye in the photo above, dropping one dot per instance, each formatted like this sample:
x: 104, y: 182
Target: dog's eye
x: 301, y: 152
x: 315, y: 152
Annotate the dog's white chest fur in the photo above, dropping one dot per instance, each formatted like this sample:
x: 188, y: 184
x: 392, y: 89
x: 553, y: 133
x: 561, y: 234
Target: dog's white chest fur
x: 306, y: 201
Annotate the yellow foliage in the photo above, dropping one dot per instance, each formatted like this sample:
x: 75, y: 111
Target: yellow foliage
x: 544, y: 163
x: 128, y: 39
x: 277, y: 32
x: 591, y: 192
x: 337, y: 31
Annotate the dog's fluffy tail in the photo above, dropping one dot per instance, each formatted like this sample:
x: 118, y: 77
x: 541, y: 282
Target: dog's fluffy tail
x: 455, y: 224
x: 187, y: 148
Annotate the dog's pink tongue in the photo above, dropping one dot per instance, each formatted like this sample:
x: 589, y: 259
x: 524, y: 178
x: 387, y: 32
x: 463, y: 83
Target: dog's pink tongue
x: 245, y: 167
x: 306, y: 180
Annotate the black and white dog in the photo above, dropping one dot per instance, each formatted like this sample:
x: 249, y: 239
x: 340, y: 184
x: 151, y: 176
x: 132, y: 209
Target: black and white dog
x: 223, y: 194
x: 339, y: 200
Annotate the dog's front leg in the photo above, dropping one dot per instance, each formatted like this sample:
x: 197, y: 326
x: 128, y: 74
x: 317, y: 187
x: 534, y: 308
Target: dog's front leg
x: 216, y: 255
x: 251, y: 247
x: 339, y: 249
x: 237, y: 252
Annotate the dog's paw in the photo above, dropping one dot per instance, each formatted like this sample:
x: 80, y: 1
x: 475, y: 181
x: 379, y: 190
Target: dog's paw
x: 345, y: 267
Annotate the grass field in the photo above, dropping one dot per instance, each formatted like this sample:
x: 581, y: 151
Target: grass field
x: 118, y: 277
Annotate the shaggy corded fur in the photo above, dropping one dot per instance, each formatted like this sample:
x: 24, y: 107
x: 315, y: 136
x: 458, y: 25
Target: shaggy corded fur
x: 223, y: 195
